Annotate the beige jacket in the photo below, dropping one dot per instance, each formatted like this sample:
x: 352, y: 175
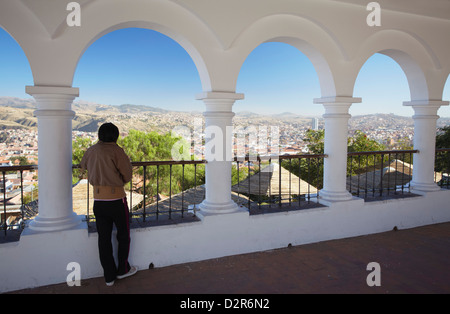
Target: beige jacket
x: 109, y: 168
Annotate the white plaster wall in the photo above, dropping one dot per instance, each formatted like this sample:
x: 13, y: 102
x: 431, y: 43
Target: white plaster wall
x: 41, y: 258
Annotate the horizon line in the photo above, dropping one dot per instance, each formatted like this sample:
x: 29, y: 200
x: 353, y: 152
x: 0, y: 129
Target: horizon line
x: 319, y: 116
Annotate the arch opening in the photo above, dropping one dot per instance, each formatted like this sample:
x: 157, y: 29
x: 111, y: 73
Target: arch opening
x: 280, y: 83
x: 383, y: 86
x: 444, y: 112
x: 277, y: 76
x: 138, y: 66
x: 15, y: 71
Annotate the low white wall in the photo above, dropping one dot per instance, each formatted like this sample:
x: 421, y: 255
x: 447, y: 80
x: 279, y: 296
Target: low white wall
x: 42, y: 258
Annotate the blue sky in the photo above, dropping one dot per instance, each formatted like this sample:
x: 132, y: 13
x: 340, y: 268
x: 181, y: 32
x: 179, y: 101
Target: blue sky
x: 143, y: 67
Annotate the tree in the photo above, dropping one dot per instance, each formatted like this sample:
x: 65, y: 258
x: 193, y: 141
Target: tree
x: 442, y: 163
x: 22, y: 160
x: 362, y: 163
x: 79, y: 146
x: 309, y: 169
x: 443, y: 137
x: 149, y: 146
x: 152, y: 146
x: 361, y: 143
x: 315, y: 141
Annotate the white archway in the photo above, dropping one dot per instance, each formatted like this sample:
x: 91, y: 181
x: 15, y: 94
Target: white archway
x: 138, y: 61
x: 68, y: 44
x: 416, y: 60
x: 308, y: 37
x: 189, y: 48
x: 382, y: 85
x: 277, y: 77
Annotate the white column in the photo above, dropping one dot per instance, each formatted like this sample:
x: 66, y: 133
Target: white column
x: 425, y: 117
x: 54, y: 116
x: 218, y: 151
x: 336, y: 132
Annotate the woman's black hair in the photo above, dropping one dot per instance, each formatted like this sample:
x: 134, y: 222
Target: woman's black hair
x: 108, y: 132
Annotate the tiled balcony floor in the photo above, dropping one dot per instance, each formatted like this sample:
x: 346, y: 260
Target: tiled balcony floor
x: 412, y: 261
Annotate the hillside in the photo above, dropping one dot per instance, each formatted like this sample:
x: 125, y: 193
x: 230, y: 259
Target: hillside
x: 18, y: 113
x: 15, y: 118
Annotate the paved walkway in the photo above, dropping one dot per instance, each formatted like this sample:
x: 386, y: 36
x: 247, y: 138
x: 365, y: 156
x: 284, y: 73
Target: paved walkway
x: 411, y: 261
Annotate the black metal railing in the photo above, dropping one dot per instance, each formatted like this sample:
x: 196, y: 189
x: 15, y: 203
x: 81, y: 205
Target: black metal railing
x: 442, y: 167
x: 379, y: 173
x: 164, y: 191
x: 160, y: 192
x: 270, y: 183
x: 17, y: 205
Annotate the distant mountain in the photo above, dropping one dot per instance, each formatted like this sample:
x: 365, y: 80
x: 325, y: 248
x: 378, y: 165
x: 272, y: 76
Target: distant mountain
x: 84, y: 106
x: 247, y: 114
x: 127, y: 108
x: 18, y: 113
x: 287, y: 115
x: 283, y: 115
x: 15, y: 102
x: 17, y: 118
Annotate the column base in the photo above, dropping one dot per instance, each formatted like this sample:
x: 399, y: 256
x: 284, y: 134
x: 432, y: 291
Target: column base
x: 331, y: 196
x: 424, y: 187
x: 41, y: 224
x: 215, y: 208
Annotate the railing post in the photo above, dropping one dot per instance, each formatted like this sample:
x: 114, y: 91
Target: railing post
x: 336, y: 132
x: 425, y: 117
x: 55, y: 157
x: 218, y: 121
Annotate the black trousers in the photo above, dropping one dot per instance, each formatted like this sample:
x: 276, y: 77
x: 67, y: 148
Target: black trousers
x: 107, y: 214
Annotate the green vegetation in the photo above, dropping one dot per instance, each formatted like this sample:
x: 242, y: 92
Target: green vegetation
x: 150, y: 146
x: 443, y: 137
x: 311, y: 170
x: 166, y: 179
x: 23, y: 161
x: 363, y: 163
x: 442, y: 163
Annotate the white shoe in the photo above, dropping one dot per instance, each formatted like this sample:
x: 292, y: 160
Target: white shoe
x: 111, y: 283
x: 133, y: 270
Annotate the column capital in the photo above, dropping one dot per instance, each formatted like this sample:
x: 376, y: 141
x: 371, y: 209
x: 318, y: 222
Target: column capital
x: 59, y: 90
x: 53, y: 100
x: 219, y: 102
x: 337, y: 106
x: 426, y: 103
x: 43, y: 113
x: 220, y: 95
x: 337, y: 100
x: 425, y: 109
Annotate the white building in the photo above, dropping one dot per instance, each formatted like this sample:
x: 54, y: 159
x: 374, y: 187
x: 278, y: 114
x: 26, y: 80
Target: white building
x: 338, y: 36
x: 315, y: 124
